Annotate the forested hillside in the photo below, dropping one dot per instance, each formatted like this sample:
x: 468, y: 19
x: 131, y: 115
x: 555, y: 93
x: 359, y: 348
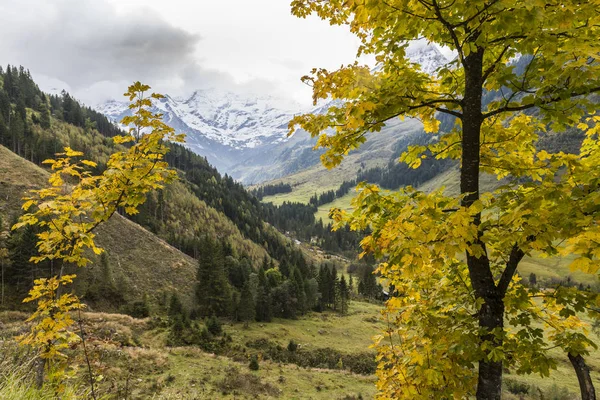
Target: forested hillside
x: 202, y: 211
x: 207, y: 256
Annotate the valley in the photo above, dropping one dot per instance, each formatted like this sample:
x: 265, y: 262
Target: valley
x: 333, y: 357
x: 427, y: 227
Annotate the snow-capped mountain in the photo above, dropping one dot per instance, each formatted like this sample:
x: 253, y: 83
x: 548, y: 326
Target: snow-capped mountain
x: 223, y: 126
x: 231, y: 119
x: 429, y: 57
x: 246, y: 135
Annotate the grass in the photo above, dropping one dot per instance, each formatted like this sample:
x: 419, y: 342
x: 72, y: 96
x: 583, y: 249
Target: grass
x: 132, y: 357
x: 348, y: 333
x: 555, y: 268
x: 150, y: 370
x: 194, y: 374
x: 341, y: 203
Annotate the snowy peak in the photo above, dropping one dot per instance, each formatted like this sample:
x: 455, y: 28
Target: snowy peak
x: 428, y: 56
x: 232, y: 119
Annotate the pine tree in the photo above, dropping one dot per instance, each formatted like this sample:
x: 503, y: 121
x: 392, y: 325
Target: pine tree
x: 4, y: 132
x: 343, y: 295
x: 323, y: 281
x: 285, y: 268
x: 300, y: 294
x: 106, y: 276
x: 285, y: 304
x: 17, y: 129
x: 253, y: 365
x: 44, y: 115
x: 247, y: 308
x: 213, y: 292
x: 21, y: 247
x: 262, y: 278
x: 367, y: 285
x: 332, y: 287
x: 175, y: 307
x: 264, y: 311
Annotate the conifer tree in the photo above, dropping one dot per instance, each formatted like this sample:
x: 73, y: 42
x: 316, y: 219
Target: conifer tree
x: 332, y: 288
x: 247, y: 307
x: 264, y: 311
x: 343, y: 295
x: 21, y: 248
x: 323, y: 281
x: 213, y: 293
x: 300, y: 294
x: 44, y: 115
x: 175, y: 307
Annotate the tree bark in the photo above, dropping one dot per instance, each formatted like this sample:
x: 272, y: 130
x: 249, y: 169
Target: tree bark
x: 583, y: 375
x: 40, y: 372
x: 491, y: 314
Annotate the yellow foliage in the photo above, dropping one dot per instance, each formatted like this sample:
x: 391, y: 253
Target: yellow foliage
x: 454, y: 259
x: 76, y: 203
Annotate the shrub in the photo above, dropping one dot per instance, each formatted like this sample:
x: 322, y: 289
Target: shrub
x: 249, y: 384
x: 139, y: 309
x: 359, y: 363
x: 516, y: 387
x: 292, y: 346
x: 214, y: 326
x: 253, y: 363
x: 559, y: 393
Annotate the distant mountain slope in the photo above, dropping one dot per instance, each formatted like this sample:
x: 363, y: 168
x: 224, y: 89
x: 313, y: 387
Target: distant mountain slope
x: 145, y: 262
x: 375, y: 152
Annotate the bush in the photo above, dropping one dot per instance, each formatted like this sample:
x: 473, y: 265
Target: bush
x: 214, y: 326
x: 253, y: 363
x: 516, y: 387
x: 235, y: 381
x: 139, y: 309
x: 559, y: 393
x: 359, y: 363
x: 292, y: 346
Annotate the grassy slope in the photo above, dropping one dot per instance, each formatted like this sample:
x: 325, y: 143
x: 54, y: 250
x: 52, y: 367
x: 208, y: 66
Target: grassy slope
x: 155, y: 371
x: 146, y: 262
x: 187, y: 215
x: 187, y: 372
x: 348, y: 333
x: 341, y: 202
x: 140, y: 258
x: 545, y: 269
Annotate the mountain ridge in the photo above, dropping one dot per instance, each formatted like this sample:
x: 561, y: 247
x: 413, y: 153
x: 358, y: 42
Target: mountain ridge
x: 245, y: 135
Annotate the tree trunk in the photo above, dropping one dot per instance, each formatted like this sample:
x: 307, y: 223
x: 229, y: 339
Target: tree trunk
x: 583, y: 375
x: 2, y: 282
x: 491, y: 314
x: 40, y: 372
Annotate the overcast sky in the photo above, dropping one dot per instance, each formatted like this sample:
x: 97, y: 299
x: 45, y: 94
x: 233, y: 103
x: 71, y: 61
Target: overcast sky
x: 95, y: 48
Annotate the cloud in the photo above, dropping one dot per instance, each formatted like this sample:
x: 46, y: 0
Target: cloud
x: 95, y: 48
x: 96, y: 51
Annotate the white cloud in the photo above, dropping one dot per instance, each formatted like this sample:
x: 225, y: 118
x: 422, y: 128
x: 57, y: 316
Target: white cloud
x: 95, y: 48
